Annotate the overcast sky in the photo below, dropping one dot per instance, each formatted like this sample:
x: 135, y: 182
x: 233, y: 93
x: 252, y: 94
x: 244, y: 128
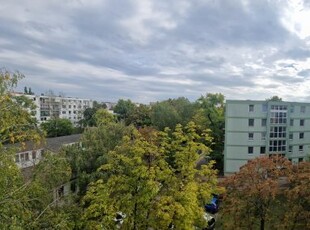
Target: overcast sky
x: 150, y: 50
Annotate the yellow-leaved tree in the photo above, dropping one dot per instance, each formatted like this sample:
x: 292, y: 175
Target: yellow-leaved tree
x: 153, y: 180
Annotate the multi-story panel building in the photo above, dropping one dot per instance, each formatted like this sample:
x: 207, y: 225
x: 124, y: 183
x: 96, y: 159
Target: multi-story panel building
x: 256, y: 128
x: 48, y: 107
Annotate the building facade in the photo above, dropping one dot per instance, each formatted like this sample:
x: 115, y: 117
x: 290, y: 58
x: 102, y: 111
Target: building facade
x: 48, y: 107
x: 257, y: 128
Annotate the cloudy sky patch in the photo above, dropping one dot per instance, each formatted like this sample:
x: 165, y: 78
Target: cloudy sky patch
x: 155, y: 49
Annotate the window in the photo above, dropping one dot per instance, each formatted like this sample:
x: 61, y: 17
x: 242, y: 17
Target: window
x: 251, y: 122
x: 264, y: 107
x: 24, y: 157
x: 303, y: 109
x: 301, y: 135
x: 60, y: 192
x: 250, y: 150
x: 300, y: 160
x: 251, y: 108
x: 292, y: 109
x: 262, y: 150
x: 17, y: 158
x: 63, y: 112
x: 278, y: 117
x: 42, y: 153
x: 291, y: 122
x: 290, y: 148
x: 302, y: 122
x: 278, y: 107
x: 263, y: 135
x: 251, y: 136
x: 291, y: 136
x: 277, y: 145
x: 278, y: 132
x: 34, y: 154
x: 301, y: 148
x: 264, y: 122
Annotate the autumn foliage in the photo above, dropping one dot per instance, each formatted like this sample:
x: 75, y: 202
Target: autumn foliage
x: 268, y: 193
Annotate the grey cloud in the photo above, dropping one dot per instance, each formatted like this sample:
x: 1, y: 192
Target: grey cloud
x: 298, y: 53
x: 203, y: 42
x: 304, y: 73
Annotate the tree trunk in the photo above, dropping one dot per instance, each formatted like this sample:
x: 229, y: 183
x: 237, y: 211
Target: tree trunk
x: 262, y: 223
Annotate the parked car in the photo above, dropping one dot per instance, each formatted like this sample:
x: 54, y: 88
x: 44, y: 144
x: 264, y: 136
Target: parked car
x: 210, y: 225
x: 213, y: 206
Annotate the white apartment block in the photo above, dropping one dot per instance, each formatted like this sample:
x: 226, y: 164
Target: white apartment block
x: 258, y: 128
x: 48, y: 107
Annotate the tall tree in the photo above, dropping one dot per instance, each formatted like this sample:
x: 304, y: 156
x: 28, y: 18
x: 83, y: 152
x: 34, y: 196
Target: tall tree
x: 89, y: 119
x: 57, y: 127
x: 141, y: 116
x: 154, y: 181
x: 103, y: 117
x: 96, y: 142
x: 210, y: 114
x: 164, y: 115
x: 296, y: 207
x: 16, y: 125
x: 171, y: 112
x: 124, y: 108
x: 253, y: 192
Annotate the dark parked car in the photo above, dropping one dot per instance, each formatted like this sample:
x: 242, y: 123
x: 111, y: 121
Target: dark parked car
x: 213, y: 206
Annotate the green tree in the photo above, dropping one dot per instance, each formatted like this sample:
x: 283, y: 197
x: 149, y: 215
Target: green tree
x: 26, y: 204
x: 171, y: 112
x: 96, y: 142
x: 164, y: 115
x: 185, y: 193
x: 140, y: 116
x: 210, y: 114
x: 124, y: 108
x: 52, y: 172
x: 16, y: 125
x: 89, y: 119
x: 153, y: 189
x: 103, y: 117
x: 13, y: 200
x: 57, y: 127
x: 274, y: 98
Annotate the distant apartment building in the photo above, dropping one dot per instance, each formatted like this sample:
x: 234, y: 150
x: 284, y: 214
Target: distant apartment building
x: 48, y: 107
x: 256, y: 128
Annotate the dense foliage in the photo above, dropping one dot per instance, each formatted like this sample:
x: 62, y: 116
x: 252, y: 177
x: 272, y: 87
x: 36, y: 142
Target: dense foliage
x: 268, y: 193
x: 57, y: 127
